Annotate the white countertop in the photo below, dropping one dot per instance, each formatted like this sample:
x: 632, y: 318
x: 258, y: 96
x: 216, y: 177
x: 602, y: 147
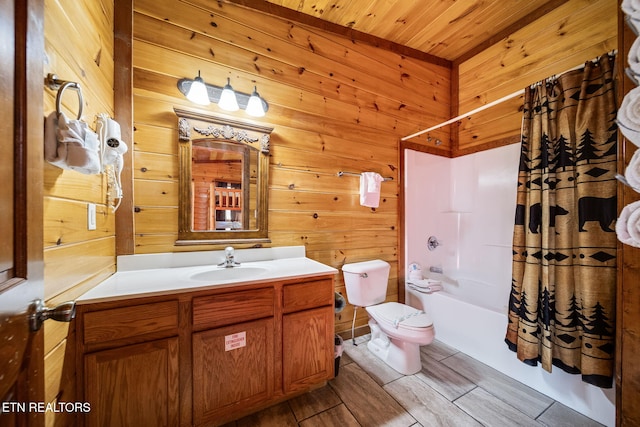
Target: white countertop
x: 157, y: 274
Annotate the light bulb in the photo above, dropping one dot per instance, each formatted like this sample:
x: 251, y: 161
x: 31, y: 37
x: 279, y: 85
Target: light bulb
x: 198, y: 91
x: 228, y: 99
x: 254, y: 106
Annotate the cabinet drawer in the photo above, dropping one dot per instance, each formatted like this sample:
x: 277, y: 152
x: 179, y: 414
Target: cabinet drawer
x: 126, y: 322
x: 233, y: 307
x: 301, y: 296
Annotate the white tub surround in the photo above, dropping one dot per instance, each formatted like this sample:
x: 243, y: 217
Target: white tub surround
x: 468, y: 203
x: 157, y: 274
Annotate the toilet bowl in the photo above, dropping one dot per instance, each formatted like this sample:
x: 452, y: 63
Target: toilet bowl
x: 397, y: 330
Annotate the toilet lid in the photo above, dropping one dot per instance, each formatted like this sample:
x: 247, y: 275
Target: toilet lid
x: 403, y: 315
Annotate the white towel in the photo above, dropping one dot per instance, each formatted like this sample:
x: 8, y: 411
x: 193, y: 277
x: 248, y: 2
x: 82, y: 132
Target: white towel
x: 81, y: 144
x: 628, y: 116
x: 632, y: 171
x: 427, y: 289
x: 370, y: 189
x: 633, y: 57
x: 630, y: 7
x: 425, y: 286
x: 628, y: 225
x: 52, y: 153
x: 70, y: 144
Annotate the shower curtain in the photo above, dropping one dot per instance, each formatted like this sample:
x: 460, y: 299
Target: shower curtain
x: 562, y: 302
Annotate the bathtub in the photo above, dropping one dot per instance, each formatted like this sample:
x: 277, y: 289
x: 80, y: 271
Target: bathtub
x: 471, y: 316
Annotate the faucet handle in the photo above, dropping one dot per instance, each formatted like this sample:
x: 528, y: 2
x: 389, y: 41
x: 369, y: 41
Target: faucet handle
x: 229, y: 258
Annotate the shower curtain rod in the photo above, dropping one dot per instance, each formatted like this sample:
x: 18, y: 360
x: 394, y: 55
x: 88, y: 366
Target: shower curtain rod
x: 462, y: 116
x: 484, y: 107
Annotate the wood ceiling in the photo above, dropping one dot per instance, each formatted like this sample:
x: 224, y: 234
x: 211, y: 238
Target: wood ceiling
x: 452, y: 30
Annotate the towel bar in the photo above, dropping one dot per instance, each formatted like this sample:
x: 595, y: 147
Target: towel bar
x: 341, y: 173
x: 54, y: 83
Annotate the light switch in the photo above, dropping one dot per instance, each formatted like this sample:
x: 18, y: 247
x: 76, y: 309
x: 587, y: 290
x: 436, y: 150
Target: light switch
x: 91, y: 216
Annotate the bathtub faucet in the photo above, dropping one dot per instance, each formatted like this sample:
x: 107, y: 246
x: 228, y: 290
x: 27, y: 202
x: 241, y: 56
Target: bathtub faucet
x: 229, y: 258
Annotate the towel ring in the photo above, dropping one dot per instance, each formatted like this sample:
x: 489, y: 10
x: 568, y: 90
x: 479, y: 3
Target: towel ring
x: 61, y: 85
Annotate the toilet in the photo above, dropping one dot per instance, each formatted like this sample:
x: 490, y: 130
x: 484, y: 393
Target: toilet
x: 397, y: 330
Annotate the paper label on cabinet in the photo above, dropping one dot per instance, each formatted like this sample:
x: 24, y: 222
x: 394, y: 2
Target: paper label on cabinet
x: 233, y: 341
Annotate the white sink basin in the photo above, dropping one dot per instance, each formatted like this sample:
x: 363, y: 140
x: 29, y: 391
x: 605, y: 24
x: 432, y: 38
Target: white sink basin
x: 233, y: 273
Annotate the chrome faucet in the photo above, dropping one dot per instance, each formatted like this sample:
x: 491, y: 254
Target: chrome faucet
x: 229, y: 258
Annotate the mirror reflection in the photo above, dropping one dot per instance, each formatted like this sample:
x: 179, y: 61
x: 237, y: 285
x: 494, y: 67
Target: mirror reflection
x: 223, y: 180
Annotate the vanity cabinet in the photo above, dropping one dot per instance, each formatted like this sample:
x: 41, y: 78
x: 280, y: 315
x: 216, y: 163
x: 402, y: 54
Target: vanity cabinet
x: 129, y: 369
x: 307, y: 334
x: 233, y: 352
x: 133, y: 385
x: 205, y: 357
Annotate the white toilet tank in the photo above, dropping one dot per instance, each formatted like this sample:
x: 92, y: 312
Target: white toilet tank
x: 366, y: 282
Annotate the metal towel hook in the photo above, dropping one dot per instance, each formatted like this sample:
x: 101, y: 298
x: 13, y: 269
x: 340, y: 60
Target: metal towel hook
x: 54, y: 83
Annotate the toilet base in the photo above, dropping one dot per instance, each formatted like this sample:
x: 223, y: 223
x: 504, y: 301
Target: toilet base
x: 400, y: 355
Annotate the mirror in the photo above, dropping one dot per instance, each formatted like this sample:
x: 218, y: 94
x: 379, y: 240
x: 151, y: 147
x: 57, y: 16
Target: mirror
x: 224, y: 172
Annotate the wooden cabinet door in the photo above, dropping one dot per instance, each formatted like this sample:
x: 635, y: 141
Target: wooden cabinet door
x: 21, y: 247
x: 135, y: 385
x: 307, y: 342
x: 233, y: 368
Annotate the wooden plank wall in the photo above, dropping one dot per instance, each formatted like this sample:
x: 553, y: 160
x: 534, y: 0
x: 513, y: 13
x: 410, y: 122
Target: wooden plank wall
x: 569, y: 35
x: 79, y: 47
x: 335, y: 105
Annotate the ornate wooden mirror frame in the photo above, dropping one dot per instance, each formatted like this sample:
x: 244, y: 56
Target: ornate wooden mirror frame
x: 221, y: 132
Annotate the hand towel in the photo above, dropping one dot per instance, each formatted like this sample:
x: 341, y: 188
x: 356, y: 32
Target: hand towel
x: 633, y: 57
x: 425, y: 286
x: 633, y: 225
x: 426, y: 289
x: 628, y: 116
x: 630, y: 7
x: 370, y: 189
x: 81, y: 146
x: 54, y: 153
x: 634, y: 23
x: 632, y: 76
x: 632, y: 171
x: 628, y: 225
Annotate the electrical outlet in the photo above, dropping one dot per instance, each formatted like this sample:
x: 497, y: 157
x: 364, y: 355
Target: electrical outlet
x: 91, y: 216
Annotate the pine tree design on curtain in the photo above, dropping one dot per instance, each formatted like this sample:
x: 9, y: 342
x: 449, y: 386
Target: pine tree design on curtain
x: 562, y: 301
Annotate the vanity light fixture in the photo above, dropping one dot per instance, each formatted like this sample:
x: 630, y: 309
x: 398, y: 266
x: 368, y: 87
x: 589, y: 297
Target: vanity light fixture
x: 226, y: 98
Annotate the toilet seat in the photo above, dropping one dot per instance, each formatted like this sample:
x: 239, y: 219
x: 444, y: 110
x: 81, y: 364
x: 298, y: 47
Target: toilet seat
x: 401, y: 316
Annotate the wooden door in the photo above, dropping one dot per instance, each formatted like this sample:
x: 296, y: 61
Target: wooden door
x: 307, y: 356
x: 21, y: 154
x: 135, y: 385
x: 233, y: 369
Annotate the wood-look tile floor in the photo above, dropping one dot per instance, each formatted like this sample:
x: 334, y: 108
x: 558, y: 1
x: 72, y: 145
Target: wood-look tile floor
x: 451, y: 390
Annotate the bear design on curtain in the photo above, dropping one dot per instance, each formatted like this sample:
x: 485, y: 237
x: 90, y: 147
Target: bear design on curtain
x: 562, y: 302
